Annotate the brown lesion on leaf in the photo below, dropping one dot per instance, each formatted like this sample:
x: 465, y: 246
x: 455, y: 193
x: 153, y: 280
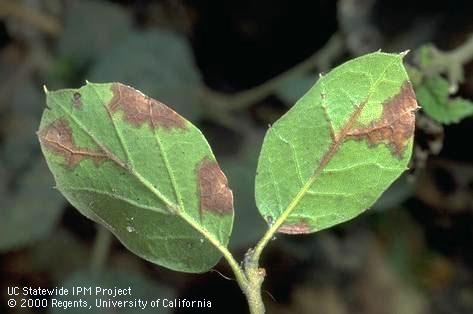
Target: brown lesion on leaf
x: 301, y: 227
x: 76, y: 100
x: 140, y: 109
x: 57, y: 137
x: 395, y: 126
x: 215, y: 195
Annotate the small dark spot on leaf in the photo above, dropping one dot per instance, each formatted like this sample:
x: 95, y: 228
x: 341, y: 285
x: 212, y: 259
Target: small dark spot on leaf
x: 76, y: 100
x: 139, y: 109
x: 215, y: 195
x: 300, y: 227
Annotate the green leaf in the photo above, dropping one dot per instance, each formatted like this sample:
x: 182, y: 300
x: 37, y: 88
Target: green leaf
x: 332, y: 155
x: 18, y: 129
x: 434, y: 98
x: 424, y: 56
x: 21, y: 210
x: 141, y: 288
x: 134, y: 165
x: 86, y: 35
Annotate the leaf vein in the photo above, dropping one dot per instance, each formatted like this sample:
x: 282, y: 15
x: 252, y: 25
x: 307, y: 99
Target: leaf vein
x: 145, y: 182
x: 294, y: 155
x: 116, y: 196
x: 117, y: 132
x: 276, y: 186
x: 376, y: 164
x: 330, y: 152
x: 326, y: 115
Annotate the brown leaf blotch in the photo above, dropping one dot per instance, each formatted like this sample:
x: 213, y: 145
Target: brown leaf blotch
x: 301, y: 227
x: 396, y: 125
x: 76, y: 100
x: 139, y: 109
x: 215, y: 195
x: 57, y: 137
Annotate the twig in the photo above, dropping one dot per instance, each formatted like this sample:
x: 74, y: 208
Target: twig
x: 102, y: 244
x: 321, y: 60
x: 15, y: 9
x: 451, y: 63
x: 463, y: 53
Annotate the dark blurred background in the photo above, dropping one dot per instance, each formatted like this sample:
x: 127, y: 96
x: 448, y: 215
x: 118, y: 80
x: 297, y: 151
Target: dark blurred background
x: 233, y: 67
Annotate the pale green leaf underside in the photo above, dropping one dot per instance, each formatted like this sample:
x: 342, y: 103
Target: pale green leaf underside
x: 139, y: 178
x: 317, y: 167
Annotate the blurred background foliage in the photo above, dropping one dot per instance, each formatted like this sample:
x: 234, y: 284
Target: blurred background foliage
x: 233, y: 67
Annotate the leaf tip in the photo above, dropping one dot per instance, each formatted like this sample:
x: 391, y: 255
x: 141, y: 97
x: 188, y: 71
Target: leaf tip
x: 404, y: 53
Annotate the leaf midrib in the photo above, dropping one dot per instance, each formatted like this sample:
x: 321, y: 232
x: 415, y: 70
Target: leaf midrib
x: 115, y: 159
x: 337, y: 141
x: 187, y: 218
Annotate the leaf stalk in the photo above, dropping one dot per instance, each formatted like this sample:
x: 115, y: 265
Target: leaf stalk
x: 102, y: 245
